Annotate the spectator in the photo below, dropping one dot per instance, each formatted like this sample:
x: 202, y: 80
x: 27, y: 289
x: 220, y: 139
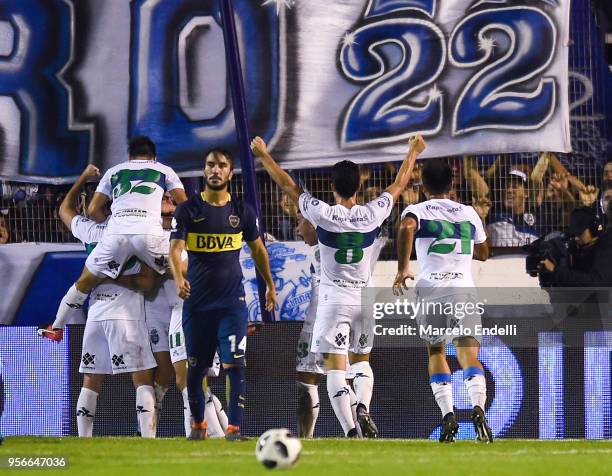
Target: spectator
x: 4, y: 232
x: 560, y: 200
x: 478, y: 186
x: 513, y: 222
x: 607, y: 172
x: 286, y: 225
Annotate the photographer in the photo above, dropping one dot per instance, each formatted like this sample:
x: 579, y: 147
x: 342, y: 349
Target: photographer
x: 590, y: 264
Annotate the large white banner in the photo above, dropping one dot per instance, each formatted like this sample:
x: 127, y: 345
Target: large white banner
x: 471, y: 76
x: 324, y: 80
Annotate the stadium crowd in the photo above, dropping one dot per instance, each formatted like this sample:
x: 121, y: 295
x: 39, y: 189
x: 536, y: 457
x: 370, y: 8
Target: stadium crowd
x: 519, y: 200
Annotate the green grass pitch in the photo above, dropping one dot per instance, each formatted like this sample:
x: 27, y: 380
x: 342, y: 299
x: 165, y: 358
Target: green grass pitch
x: 174, y: 456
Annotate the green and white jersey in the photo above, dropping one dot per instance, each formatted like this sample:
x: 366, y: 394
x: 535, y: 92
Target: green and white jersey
x: 108, y: 301
x: 346, y: 244
x: 444, y: 243
x: 136, y: 188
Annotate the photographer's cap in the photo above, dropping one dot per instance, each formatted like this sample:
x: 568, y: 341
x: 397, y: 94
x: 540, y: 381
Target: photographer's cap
x: 582, y: 218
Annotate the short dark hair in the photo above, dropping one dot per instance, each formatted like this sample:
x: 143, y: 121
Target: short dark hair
x: 346, y: 179
x: 437, y: 176
x: 225, y: 153
x: 140, y: 146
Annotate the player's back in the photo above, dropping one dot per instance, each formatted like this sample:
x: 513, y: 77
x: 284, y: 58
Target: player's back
x: 445, y: 237
x: 136, y: 188
x: 346, y: 244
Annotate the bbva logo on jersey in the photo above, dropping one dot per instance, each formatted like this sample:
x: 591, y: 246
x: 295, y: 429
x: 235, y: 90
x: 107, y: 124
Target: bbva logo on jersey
x: 214, y: 242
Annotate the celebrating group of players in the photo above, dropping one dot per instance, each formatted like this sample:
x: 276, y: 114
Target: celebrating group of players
x: 140, y: 319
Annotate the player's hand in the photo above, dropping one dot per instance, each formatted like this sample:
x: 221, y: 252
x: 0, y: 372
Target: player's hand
x: 399, y: 283
x: 56, y: 335
x: 183, y: 289
x: 91, y: 171
x: 270, y: 298
x: 258, y: 146
x: 417, y: 144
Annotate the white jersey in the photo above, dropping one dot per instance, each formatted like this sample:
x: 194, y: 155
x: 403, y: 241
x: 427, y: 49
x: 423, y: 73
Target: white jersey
x: 346, y: 238
x: 108, y: 301
x: 136, y: 188
x: 445, y: 237
x: 315, y: 278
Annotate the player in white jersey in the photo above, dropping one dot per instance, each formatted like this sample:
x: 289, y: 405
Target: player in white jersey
x: 135, y: 188
x: 157, y: 308
x: 346, y: 233
x: 115, y: 340
x: 309, y: 365
x: 448, y: 234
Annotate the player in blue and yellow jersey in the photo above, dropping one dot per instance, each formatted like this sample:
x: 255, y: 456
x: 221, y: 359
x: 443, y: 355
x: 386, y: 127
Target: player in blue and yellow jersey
x: 211, y: 226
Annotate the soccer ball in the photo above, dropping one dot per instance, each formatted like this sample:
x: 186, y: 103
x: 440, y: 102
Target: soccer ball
x: 278, y: 449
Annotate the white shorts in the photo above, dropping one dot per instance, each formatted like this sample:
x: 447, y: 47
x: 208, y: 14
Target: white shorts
x: 340, y: 328
x: 176, y: 342
x: 157, y: 317
x: 305, y: 360
x: 115, y: 346
x: 446, y: 325
x: 113, y: 251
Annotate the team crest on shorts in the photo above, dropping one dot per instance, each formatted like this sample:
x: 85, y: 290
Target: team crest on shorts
x: 154, y: 336
x: 234, y: 221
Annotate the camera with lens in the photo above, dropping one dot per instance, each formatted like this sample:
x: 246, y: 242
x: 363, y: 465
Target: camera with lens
x: 556, y: 247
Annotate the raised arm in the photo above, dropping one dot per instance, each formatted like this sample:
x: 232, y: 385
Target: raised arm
x: 277, y: 174
x: 537, y: 176
x: 68, y: 207
x: 405, y: 240
x: 416, y: 145
x: 262, y: 263
x: 476, y: 182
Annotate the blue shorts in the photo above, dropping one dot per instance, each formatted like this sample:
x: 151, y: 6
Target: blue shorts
x: 222, y: 329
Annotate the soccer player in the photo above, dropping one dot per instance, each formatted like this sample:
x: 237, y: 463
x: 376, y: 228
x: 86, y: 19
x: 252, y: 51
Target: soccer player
x: 309, y: 365
x: 448, y: 234
x: 158, y: 309
x: 211, y: 227
x: 346, y: 233
x: 135, y: 188
x: 115, y: 339
x: 214, y: 415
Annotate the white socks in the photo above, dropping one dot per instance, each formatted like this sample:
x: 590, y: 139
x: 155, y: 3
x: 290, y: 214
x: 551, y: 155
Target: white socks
x: 221, y: 415
x: 215, y: 430
x: 186, y: 412
x: 363, y: 383
x: 477, y: 390
x: 160, y: 393
x: 443, y: 393
x: 145, y: 408
x: 354, y: 404
x: 338, y: 391
x: 70, y: 306
x: 86, y: 411
x: 310, y: 394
